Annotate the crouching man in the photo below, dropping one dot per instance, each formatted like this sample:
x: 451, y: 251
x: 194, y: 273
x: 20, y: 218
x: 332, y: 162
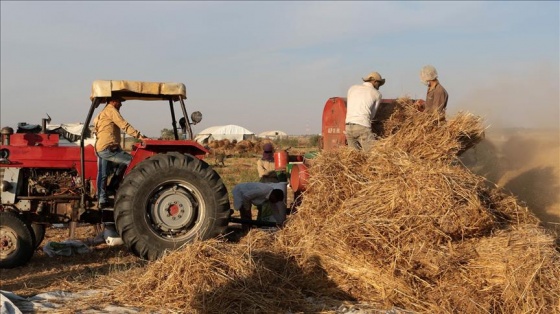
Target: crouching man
x: 245, y: 195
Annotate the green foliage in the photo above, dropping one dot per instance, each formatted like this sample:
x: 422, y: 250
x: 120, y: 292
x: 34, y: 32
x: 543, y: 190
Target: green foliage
x: 286, y: 142
x: 314, y: 140
x: 237, y: 170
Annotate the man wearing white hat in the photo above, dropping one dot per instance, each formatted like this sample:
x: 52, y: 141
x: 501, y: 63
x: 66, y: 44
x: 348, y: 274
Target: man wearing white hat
x: 436, y: 97
x: 361, y: 105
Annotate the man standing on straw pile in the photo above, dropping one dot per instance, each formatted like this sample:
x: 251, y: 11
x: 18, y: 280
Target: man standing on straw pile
x: 362, y: 104
x: 436, y: 98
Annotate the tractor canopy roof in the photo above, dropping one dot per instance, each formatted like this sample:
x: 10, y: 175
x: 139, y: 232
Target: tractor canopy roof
x: 130, y: 90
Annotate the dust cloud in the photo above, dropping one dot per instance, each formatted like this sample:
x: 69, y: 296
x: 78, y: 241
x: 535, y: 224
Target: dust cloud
x: 521, y: 152
x: 521, y: 99
x: 525, y: 162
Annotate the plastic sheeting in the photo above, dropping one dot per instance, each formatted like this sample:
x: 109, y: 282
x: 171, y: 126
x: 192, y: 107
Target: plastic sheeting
x: 273, y: 134
x: 69, y: 133
x: 230, y: 132
x: 57, y: 301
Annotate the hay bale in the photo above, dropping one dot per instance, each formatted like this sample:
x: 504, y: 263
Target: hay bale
x: 214, y: 144
x: 244, y: 145
x: 258, y: 145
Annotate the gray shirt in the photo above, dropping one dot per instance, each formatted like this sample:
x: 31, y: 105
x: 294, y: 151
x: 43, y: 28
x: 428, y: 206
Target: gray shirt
x: 250, y: 193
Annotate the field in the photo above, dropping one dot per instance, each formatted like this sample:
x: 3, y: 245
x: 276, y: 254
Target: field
x: 525, y: 163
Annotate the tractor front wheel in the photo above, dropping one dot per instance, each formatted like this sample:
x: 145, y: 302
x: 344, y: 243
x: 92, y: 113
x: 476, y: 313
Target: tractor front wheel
x: 169, y: 200
x: 16, y: 241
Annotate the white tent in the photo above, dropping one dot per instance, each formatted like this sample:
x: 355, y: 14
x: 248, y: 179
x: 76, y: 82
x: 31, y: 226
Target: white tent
x: 230, y: 132
x: 273, y: 135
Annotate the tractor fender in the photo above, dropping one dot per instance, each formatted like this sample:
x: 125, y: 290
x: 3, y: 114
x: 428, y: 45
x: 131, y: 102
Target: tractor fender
x: 149, y: 148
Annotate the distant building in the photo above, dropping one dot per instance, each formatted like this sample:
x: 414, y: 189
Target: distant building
x: 273, y: 135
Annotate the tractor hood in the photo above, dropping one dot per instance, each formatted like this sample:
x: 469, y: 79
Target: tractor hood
x: 131, y: 90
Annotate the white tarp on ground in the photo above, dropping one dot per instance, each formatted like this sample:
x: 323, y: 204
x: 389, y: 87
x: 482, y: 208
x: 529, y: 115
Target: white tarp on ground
x: 273, y: 134
x: 56, y: 301
x: 230, y: 132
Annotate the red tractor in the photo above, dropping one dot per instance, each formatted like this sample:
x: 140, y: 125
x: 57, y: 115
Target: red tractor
x: 168, y: 195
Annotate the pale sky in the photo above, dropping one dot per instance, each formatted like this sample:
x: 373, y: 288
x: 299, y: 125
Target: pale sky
x: 272, y: 65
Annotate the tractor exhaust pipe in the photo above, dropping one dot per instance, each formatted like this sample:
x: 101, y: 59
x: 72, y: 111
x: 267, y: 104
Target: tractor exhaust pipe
x: 6, y: 132
x: 43, y: 126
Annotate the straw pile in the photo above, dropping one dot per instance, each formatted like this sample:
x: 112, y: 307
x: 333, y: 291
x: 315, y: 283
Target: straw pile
x: 404, y: 225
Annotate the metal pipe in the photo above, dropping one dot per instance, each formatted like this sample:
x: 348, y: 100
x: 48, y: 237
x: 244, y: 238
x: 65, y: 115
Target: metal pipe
x: 188, y: 122
x: 254, y: 222
x: 52, y: 197
x: 94, y: 104
x: 44, y: 126
x: 173, y: 122
x: 85, y: 130
x: 72, y: 229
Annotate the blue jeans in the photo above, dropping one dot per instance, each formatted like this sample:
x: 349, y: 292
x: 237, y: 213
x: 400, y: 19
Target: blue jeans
x: 107, y: 161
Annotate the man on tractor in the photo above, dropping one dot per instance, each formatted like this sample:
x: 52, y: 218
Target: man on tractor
x: 109, y: 152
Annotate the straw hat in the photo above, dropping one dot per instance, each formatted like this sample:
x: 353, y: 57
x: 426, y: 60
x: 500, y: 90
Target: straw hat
x: 375, y: 77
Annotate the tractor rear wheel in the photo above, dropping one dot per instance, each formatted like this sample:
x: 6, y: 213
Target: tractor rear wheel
x: 16, y: 241
x: 169, y: 200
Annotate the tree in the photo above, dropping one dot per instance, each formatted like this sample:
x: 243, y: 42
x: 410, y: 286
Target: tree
x: 167, y: 134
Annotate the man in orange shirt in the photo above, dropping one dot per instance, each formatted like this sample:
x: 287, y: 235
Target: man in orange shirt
x: 108, y: 125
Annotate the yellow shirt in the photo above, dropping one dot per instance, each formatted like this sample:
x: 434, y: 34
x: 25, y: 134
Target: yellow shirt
x: 265, y: 168
x: 107, y: 127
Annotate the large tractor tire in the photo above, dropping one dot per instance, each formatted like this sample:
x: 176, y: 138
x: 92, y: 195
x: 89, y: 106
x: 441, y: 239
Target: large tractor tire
x: 16, y: 241
x: 169, y: 200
